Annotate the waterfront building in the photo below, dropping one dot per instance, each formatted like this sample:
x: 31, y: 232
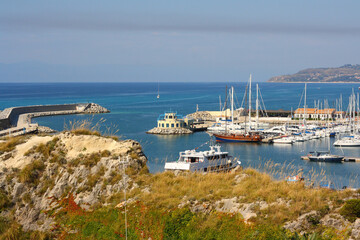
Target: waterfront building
x: 314, y: 113
x: 307, y: 113
x: 173, y: 120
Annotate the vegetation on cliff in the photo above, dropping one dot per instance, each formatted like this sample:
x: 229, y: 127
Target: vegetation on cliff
x: 346, y: 73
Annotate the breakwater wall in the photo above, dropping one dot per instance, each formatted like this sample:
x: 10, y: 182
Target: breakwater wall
x: 19, y: 116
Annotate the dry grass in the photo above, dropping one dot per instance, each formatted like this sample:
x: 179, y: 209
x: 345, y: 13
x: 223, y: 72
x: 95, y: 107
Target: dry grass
x: 168, y: 191
x: 32, y: 172
x: 11, y: 143
x: 88, y: 127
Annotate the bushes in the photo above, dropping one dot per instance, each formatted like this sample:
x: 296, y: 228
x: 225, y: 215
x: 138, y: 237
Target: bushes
x: 351, y: 209
x: 31, y: 173
x: 4, y: 200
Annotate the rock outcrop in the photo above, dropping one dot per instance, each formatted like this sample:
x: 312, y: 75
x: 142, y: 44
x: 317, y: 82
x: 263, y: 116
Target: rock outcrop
x: 169, y: 131
x: 44, y: 169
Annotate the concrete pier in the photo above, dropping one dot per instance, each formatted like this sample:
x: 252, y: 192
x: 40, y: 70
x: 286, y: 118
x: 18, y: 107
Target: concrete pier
x: 17, y: 120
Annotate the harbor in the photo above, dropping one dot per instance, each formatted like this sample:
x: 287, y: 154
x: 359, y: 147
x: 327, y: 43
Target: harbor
x: 133, y: 116
x: 16, y: 121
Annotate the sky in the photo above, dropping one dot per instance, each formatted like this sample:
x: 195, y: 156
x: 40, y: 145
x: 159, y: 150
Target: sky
x: 166, y: 41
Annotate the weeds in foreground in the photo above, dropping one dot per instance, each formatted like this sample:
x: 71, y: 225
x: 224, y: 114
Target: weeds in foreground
x: 149, y: 222
x: 88, y: 127
x: 11, y: 143
x: 249, y: 186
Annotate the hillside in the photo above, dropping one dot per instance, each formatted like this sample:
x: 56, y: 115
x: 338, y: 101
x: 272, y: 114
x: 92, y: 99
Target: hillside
x: 70, y: 186
x: 346, y: 73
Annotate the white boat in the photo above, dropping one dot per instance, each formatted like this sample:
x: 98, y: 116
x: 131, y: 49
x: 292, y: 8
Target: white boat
x: 203, y: 161
x: 348, y: 141
x: 284, y: 140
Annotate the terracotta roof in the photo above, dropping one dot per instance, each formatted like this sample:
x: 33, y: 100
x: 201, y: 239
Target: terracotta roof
x: 340, y: 112
x: 326, y: 111
x: 308, y: 110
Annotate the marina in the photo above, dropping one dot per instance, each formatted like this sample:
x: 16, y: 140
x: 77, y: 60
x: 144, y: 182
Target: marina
x: 135, y: 109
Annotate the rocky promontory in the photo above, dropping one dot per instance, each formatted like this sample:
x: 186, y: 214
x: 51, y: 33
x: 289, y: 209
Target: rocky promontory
x: 347, y: 73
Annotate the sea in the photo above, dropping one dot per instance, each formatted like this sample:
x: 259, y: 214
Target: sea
x: 135, y: 108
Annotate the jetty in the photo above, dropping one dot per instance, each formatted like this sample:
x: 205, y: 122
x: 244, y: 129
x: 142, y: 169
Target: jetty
x: 345, y: 159
x: 17, y: 120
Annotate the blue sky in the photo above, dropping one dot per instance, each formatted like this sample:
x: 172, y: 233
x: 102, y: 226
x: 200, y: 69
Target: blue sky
x: 173, y: 40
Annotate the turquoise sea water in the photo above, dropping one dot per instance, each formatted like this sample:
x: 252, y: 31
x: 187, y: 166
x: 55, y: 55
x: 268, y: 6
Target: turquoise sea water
x: 135, y: 108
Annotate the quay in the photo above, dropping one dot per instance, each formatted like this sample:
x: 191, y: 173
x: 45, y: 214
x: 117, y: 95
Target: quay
x: 345, y: 159
x: 17, y: 120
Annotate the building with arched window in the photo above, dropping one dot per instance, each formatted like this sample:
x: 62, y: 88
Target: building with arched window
x: 172, y: 120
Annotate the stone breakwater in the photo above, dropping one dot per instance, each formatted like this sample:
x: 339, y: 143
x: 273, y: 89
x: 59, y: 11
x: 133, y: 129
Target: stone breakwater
x: 15, y: 118
x: 169, y: 131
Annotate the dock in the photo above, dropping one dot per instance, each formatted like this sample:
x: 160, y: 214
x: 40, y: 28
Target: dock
x: 345, y: 159
x: 17, y: 120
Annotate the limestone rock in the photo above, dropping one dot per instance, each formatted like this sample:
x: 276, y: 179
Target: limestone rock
x: 169, y: 131
x: 355, y: 232
x: 334, y: 220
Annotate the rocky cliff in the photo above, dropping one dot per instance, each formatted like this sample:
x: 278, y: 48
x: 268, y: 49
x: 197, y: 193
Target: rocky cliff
x: 346, y: 73
x: 38, y: 170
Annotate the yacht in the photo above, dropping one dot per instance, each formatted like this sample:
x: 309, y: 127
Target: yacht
x: 284, y: 140
x: 324, y: 156
x: 348, y: 141
x: 213, y: 160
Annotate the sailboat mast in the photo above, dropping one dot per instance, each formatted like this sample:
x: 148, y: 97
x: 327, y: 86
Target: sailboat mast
x: 250, y: 102
x: 257, y: 106
x: 232, y: 104
x: 305, y: 104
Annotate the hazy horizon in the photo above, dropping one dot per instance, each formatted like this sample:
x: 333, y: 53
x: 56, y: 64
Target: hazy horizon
x: 141, y: 41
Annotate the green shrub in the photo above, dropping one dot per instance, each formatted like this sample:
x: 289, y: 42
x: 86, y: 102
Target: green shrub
x: 351, y: 209
x: 31, y: 173
x: 46, y: 149
x: 105, y: 153
x: 91, y: 160
x: 4, y: 200
x: 176, y: 223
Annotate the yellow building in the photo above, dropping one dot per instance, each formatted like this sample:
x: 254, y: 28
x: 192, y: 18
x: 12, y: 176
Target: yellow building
x: 171, y: 120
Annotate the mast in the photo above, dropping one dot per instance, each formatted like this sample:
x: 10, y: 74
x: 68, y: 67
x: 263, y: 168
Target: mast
x: 305, y: 105
x: 158, y: 96
x: 250, y: 103
x: 220, y: 102
x: 257, y: 106
x: 232, y: 104
x: 341, y: 106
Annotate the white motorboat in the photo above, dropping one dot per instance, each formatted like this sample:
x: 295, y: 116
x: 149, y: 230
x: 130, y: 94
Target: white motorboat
x: 348, y: 141
x: 203, y: 161
x: 284, y: 140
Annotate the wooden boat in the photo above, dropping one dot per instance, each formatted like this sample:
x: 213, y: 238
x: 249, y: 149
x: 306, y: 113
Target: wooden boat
x: 246, y: 137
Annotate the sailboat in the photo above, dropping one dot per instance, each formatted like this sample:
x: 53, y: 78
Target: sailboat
x: 158, y: 96
x: 246, y: 136
x: 324, y: 156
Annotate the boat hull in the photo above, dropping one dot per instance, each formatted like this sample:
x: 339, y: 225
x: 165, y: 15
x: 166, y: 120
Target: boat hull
x: 326, y: 159
x: 237, y: 138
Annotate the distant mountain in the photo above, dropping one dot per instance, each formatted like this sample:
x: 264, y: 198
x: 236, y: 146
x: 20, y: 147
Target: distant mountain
x: 346, y: 73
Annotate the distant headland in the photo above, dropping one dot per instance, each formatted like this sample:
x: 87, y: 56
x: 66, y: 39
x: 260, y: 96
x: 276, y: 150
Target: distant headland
x: 344, y: 74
